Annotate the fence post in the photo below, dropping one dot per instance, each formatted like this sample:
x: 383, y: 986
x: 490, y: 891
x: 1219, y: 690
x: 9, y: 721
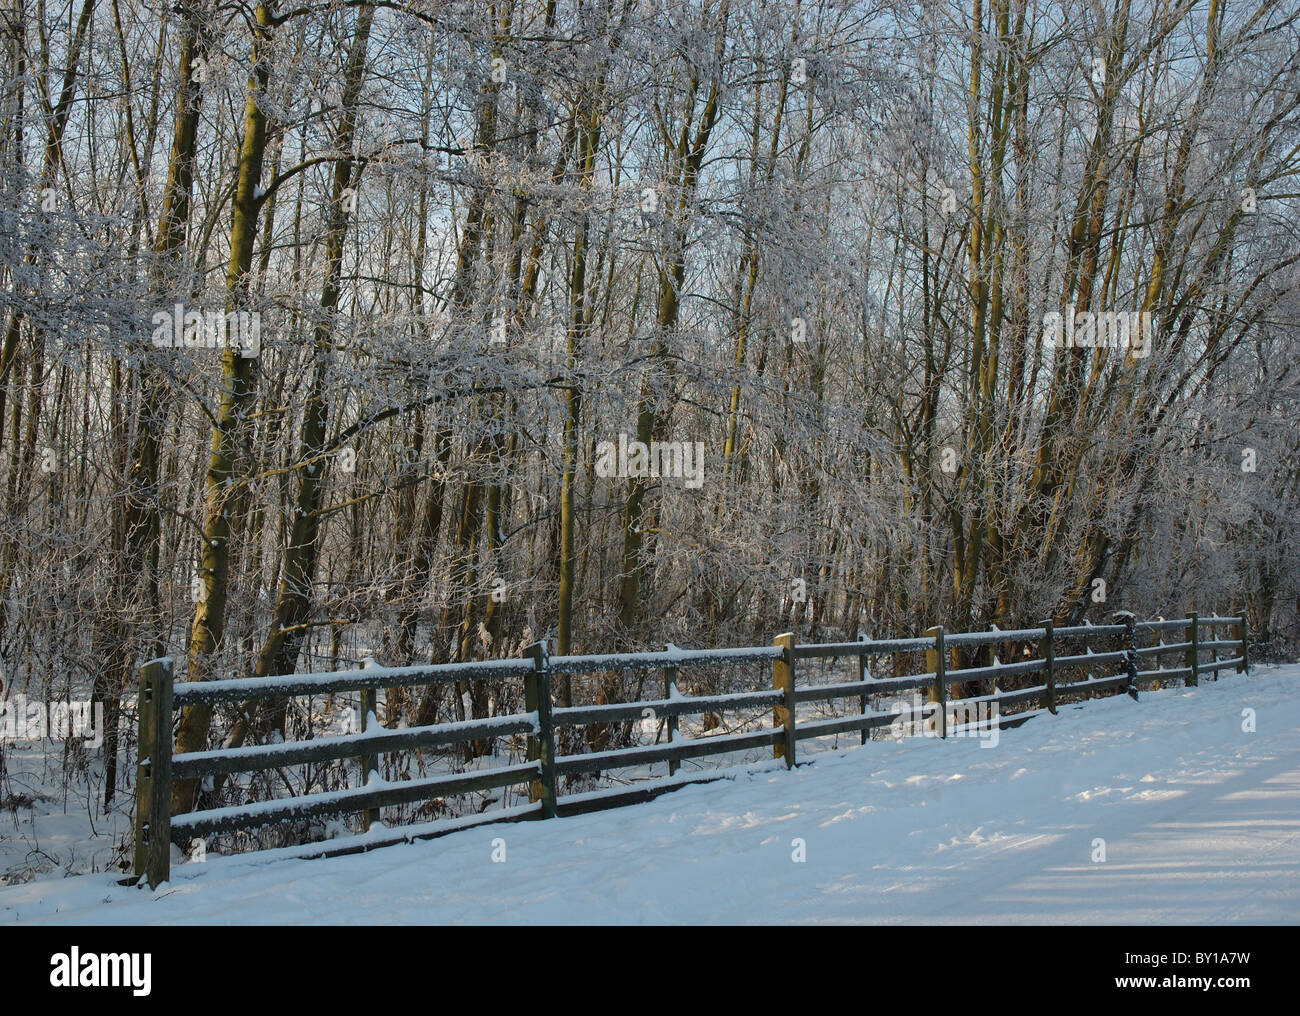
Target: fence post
x: 368, y: 762
x: 670, y: 685
x: 783, y: 711
x: 541, y: 746
x: 936, y: 660
x: 1049, y: 657
x: 1214, y: 650
x: 153, y: 787
x: 862, y: 679
x: 1129, y: 620
x: 1242, y: 631
x: 1193, y: 658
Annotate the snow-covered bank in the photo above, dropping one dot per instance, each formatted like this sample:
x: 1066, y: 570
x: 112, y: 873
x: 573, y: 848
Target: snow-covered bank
x: 1200, y: 820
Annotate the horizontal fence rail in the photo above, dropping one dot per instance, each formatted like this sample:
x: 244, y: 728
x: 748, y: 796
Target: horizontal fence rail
x: 959, y: 678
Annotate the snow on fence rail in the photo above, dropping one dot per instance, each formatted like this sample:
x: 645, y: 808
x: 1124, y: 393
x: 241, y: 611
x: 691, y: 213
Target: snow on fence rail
x: 159, y: 696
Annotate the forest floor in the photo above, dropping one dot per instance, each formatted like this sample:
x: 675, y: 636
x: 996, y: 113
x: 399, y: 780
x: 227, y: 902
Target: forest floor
x: 1200, y: 819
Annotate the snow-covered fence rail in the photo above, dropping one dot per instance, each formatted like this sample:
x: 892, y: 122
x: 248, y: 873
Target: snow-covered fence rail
x: 671, y: 708
x: 938, y: 681
x: 156, y: 828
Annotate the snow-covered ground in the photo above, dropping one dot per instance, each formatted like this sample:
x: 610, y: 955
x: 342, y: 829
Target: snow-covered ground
x: 1200, y: 820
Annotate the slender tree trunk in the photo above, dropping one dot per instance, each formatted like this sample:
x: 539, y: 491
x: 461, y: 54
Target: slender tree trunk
x: 223, y: 478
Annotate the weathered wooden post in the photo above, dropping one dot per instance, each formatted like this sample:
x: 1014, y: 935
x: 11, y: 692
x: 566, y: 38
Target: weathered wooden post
x: 862, y: 678
x: 1214, y: 649
x: 783, y: 711
x: 1193, y: 658
x: 1129, y: 620
x: 936, y: 660
x: 541, y: 746
x: 1049, y: 658
x: 1242, y: 632
x: 369, y: 763
x: 153, y: 786
x: 670, y: 686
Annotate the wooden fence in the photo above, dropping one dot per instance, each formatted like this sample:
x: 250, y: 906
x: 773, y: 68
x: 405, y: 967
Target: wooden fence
x: 156, y: 828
